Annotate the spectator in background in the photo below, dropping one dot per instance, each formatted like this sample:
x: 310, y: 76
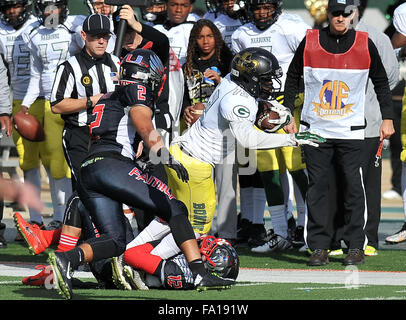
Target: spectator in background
x: 208, y: 51
x: 228, y: 19
x: 177, y: 28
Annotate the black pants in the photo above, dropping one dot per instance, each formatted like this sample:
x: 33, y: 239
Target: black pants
x: 105, y: 183
x: 396, y: 148
x: 371, y: 175
x: 346, y: 156
x: 75, y: 145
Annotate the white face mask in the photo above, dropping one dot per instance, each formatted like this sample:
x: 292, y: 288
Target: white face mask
x: 151, y: 17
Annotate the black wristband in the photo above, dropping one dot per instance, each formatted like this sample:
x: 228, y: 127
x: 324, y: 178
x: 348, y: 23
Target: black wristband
x: 89, y: 103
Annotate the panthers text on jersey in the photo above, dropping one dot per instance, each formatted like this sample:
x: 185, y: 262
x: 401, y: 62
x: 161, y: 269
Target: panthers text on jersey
x: 48, y: 48
x: 282, y: 39
x: 110, y: 125
x: 17, y: 55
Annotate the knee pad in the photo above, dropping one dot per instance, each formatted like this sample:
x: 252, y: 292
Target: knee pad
x: 72, y: 215
x: 105, y: 247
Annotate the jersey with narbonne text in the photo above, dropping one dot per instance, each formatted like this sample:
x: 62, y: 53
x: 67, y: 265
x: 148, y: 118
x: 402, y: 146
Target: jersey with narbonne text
x: 227, y: 26
x: 17, y: 55
x: 110, y: 125
x: 49, y: 48
x: 281, y: 39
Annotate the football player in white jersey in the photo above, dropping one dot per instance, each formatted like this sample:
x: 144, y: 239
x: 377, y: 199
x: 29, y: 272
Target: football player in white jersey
x: 177, y: 28
x: 228, y: 19
x: 279, y: 33
x: 49, y: 43
x: 15, y: 18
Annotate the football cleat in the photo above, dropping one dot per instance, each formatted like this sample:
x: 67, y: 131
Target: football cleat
x: 43, y: 278
x: 335, y: 252
x: 136, y: 278
x: 370, y: 251
x: 398, y: 237
x: 212, y: 282
x: 31, y: 233
x: 62, y: 273
x: 119, y: 279
x: 276, y: 242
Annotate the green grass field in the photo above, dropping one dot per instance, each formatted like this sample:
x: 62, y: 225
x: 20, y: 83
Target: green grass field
x: 11, y: 287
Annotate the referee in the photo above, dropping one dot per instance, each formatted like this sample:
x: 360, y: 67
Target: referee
x: 79, y: 83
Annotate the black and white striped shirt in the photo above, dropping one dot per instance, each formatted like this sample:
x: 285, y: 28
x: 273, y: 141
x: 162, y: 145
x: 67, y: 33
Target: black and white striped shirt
x: 82, y: 76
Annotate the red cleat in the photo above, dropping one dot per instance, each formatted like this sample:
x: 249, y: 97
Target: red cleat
x: 31, y: 233
x: 43, y: 278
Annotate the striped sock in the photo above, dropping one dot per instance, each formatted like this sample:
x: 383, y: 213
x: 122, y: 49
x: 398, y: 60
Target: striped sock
x: 66, y: 243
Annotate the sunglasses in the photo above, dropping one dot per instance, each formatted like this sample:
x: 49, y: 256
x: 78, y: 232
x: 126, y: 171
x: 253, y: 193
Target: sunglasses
x: 341, y: 13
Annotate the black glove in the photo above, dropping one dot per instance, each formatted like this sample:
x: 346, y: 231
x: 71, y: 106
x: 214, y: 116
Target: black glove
x: 172, y: 163
x: 145, y: 165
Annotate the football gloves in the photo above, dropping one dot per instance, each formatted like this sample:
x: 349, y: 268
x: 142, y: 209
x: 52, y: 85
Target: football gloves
x: 174, y: 164
x: 308, y: 138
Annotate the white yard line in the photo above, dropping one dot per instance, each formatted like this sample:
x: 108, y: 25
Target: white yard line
x: 260, y: 276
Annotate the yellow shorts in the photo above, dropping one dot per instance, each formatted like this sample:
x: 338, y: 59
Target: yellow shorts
x: 198, y: 194
x: 50, y: 151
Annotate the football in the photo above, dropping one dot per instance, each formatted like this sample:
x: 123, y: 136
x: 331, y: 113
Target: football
x: 197, y: 111
x: 264, y: 114
x: 28, y: 127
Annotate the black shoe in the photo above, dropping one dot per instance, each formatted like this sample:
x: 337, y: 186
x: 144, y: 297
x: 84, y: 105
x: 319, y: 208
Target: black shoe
x: 298, y: 237
x: 257, y: 235
x: 211, y: 282
x: 62, y: 273
x: 354, y: 257
x: 243, y: 231
x: 319, y: 257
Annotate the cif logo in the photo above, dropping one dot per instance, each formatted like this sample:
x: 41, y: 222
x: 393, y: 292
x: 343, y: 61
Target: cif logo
x: 333, y: 95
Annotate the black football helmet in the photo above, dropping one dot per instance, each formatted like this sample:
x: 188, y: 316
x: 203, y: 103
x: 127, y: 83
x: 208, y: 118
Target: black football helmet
x: 143, y: 66
x: 154, y: 17
x: 263, y: 24
x: 40, y: 7
x: 254, y: 69
x: 219, y: 257
x: 21, y: 18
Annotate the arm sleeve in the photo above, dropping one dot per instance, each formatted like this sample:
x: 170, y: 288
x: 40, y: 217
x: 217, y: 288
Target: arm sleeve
x: 293, y: 77
x: 379, y: 78
x: 251, y: 138
x: 5, y: 102
x: 160, y: 42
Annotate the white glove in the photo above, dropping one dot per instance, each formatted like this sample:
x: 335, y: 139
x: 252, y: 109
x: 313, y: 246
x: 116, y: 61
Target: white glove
x: 308, y: 138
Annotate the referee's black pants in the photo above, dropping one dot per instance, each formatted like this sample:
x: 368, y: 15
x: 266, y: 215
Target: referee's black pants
x: 346, y: 155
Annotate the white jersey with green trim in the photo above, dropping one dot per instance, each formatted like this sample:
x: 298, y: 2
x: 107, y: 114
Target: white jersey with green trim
x: 17, y: 55
x: 281, y: 39
x: 229, y: 115
x: 226, y: 26
x: 48, y: 48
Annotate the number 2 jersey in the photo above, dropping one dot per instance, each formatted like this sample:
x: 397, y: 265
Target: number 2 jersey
x: 111, y: 127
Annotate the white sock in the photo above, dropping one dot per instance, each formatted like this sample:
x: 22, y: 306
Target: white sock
x: 61, y: 190
x: 33, y: 176
x: 246, y: 203
x: 259, y: 203
x: 279, y: 221
x: 301, y: 207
